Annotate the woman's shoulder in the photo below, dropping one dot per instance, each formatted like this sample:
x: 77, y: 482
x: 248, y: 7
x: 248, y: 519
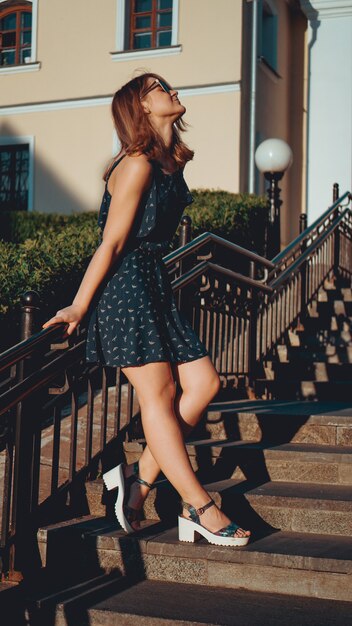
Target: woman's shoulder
x: 133, y: 169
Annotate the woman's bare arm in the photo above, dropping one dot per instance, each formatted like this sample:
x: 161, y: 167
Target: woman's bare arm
x: 130, y: 181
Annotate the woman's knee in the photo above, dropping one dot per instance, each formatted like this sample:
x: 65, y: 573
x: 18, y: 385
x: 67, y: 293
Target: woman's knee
x: 205, y: 387
x: 162, y: 393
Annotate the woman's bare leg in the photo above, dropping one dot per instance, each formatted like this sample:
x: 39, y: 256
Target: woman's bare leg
x: 155, y: 388
x: 198, y: 383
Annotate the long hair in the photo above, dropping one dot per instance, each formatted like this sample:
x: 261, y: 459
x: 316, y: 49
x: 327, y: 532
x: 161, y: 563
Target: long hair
x: 136, y: 133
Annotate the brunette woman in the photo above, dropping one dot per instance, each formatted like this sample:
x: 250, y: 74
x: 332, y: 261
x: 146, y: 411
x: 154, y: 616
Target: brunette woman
x: 133, y: 321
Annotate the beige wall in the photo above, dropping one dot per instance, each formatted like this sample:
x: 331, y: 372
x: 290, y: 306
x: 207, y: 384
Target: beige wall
x: 75, y: 40
x: 214, y: 135
x: 73, y: 145
x: 280, y: 109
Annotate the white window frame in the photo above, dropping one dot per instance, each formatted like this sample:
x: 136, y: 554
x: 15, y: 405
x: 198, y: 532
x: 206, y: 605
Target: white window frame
x: 33, y: 65
x: 121, y: 54
x: 12, y: 141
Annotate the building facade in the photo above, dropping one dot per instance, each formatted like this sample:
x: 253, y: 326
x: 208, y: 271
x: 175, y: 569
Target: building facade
x: 61, y: 62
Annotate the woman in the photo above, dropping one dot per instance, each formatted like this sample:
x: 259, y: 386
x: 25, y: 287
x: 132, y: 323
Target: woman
x: 133, y: 319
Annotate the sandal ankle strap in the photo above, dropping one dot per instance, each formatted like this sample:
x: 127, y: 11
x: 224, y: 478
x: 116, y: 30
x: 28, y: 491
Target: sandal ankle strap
x: 135, y: 478
x: 144, y: 482
x: 195, y: 513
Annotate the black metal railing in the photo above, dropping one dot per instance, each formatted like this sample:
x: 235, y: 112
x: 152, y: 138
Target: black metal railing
x: 62, y: 421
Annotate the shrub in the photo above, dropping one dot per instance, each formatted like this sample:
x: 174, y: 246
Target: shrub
x: 49, y: 252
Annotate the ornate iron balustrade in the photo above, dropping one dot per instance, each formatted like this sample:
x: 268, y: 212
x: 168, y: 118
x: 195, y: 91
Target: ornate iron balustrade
x: 241, y: 305
x: 321, y: 252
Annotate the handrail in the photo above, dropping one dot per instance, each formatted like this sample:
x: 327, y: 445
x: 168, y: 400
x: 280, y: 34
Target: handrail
x: 199, y: 269
x: 26, y: 347
x: 180, y: 253
x: 277, y: 281
x: 302, y: 236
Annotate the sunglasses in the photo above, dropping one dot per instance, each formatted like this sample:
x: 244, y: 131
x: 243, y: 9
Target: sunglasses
x: 158, y: 82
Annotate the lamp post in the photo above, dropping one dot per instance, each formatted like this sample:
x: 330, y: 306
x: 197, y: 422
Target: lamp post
x: 273, y: 157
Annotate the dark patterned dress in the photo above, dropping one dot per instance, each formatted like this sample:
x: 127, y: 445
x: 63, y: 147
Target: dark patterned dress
x: 133, y: 318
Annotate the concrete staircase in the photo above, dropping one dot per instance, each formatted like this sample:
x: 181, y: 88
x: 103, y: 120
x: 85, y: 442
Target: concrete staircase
x: 315, y: 363
x: 281, y: 467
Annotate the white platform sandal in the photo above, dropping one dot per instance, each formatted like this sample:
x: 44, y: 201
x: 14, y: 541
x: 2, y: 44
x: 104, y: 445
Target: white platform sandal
x: 190, y: 529
x: 115, y: 478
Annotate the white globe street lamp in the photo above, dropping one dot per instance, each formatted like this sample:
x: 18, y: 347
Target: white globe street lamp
x: 273, y: 157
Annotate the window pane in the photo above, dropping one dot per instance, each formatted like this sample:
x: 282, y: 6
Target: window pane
x: 9, y: 39
x: 142, y: 41
x: 164, y: 38
x: 164, y: 4
x: 25, y: 54
x: 7, y: 57
x: 14, y: 171
x: 9, y: 22
x: 165, y: 19
x: 143, y: 21
x: 26, y: 37
x: 142, y: 5
x: 26, y: 19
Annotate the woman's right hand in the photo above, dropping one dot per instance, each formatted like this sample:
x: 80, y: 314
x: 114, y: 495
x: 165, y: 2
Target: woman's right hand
x: 72, y: 315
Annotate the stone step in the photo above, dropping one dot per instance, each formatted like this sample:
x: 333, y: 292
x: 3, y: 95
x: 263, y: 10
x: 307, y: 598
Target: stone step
x: 316, y: 370
x: 303, y: 507
x: 277, y: 422
x: 321, y: 339
x: 313, y: 565
x: 327, y: 354
x: 259, y: 462
x: 116, y: 602
x: 331, y: 322
x: 303, y: 389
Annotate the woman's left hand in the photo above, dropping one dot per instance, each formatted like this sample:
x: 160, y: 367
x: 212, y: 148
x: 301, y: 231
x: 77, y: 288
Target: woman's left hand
x: 72, y: 314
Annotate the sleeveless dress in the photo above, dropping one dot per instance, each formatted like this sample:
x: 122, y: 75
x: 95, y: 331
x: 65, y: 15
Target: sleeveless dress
x: 133, y: 318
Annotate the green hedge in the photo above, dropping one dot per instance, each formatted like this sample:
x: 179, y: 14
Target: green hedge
x: 50, y: 252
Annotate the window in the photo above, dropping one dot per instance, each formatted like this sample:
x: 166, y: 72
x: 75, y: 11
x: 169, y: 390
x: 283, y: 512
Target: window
x: 148, y: 24
x: 15, y: 33
x: 14, y: 177
x: 146, y: 28
x: 268, y: 36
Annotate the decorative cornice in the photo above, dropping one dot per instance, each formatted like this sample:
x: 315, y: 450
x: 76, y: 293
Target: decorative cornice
x: 321, y: 9
x: 79, y: 103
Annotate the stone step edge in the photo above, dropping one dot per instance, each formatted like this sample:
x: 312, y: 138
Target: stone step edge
x: 328, y: 412
x: 275, y: 494
x: 261, y: 551
x: 210, y: 603
x: 309, y: 452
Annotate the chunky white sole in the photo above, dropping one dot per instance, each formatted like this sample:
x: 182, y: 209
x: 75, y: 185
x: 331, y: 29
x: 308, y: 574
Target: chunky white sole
x: 113, y: 479
x: 191, y: 532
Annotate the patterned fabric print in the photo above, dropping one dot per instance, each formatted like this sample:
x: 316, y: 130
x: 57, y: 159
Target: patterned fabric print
x: 134, y: 317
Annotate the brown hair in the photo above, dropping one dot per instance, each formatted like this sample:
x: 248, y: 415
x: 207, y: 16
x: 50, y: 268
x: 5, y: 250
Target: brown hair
x: 136, y: 133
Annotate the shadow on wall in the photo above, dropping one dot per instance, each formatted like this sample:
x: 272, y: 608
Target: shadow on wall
x: 48, y: 191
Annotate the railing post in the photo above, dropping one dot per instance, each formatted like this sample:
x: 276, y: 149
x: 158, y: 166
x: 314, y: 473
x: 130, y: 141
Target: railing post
x: 20, y: 527
x: 335, y: 192
x: 303, y: 270
x: 302, y: 222
x: 185, y: 236
x: 335, y: 196
x: 253, y: 323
